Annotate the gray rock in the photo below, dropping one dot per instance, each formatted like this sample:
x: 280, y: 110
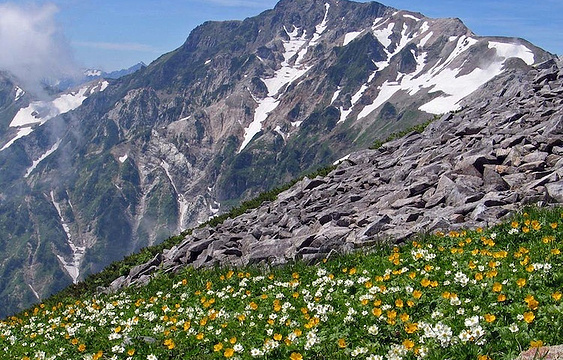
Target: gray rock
x: 555, y: 191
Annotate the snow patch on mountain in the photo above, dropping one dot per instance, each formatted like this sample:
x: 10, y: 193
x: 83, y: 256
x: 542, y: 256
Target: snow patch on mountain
x: 297, y: 45
x: 72, y: 267
x: 19, y: 93
x: 39, y: 112
x: 54, y: 148
x: 348, y: 38
x: 408, y: 16
x: 512, y: 50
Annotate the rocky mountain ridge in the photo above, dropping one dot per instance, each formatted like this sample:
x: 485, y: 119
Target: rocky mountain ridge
x: 468, y: 169
x: 241, y: 107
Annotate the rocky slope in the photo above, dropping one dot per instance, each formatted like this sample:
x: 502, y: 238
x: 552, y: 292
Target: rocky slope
x: 242, y: 106
x: 468, y: 169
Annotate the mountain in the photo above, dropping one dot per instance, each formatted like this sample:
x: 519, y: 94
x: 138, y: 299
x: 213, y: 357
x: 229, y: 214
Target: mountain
x: 470, y: 169
x: 240, y: 107
x: 93, y: 74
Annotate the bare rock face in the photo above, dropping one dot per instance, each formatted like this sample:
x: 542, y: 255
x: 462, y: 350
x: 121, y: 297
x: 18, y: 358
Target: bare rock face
x: 466, y: 169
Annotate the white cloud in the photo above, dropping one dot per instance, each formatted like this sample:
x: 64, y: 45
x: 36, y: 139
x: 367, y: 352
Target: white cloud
x: 32, y: 45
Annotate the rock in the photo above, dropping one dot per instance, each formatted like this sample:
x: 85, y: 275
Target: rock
x: 555, y: 191
x: 544, y: 353
x: 376, y: 226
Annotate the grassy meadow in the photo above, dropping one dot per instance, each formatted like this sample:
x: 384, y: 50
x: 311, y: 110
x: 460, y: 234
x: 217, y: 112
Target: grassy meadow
x: 481, y: 294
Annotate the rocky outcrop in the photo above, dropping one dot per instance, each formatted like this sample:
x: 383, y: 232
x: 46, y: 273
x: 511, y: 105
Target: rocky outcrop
x: 467, y: 169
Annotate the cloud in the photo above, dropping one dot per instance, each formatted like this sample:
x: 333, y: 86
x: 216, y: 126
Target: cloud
x: 118, y: 46
x: 32, y: 45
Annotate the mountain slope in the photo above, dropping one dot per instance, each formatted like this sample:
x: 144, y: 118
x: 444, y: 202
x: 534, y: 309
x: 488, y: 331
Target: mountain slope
x: 241, y: 107
x: 503, y: 151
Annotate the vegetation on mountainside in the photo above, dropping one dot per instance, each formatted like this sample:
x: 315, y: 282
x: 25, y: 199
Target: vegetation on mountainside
x: 419, y: 128
x: 119, y: 268
x: 482, y: 294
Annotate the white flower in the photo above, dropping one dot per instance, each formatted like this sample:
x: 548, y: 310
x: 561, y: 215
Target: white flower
x: 374, y: 357
x: 151, y: 357
x: 238, y: 348
x: 373, y: 330
x: 513, y: 328
x: 472, y: 321
x: 256, y: 352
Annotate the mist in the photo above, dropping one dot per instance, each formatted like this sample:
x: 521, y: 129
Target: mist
x: 32, y: 46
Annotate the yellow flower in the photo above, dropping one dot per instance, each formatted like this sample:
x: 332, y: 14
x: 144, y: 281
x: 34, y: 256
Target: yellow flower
x: 555, y: 252
x: 131, y: 352
x: 532, y: 302
x: 536, y: 225
x: 81, y: 347
x: 425, y: 282
x: 376, y: 312
x: 536, y: 343
x: 99, y: 354
x: 501, y: 298
x: 253, y: 305
x: 490, y: 318
x: 278, y: 337
x: 479, y: 276
x: 199, y: 336
x: 525, y: 229
x: 399, y: 303
x: 514, y: 224
x: 229, y: 353
x: 497, y: 287
x: 218, y: 347
x: 169, y: 343
x: 404, y: 317
x: 556, y: 296
x: 521, y: 282
x: 417, y: 294
x: 553, y: 225
x: 408, y: 344
x: 484, y: 357
x: 341, y: 343
x: 529, y: 317
x: 296, y: 356
x: 411, y: 328
x: 117, y: 329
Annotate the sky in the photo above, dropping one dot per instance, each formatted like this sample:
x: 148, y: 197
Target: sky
x: 115, y: 34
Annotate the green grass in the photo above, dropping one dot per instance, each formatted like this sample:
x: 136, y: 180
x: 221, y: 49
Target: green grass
x: 483, y: 294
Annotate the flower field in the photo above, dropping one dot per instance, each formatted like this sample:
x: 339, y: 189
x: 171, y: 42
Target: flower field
x: 482, y: 294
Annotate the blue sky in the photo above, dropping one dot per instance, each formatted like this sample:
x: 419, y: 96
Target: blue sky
x: 113, y: 34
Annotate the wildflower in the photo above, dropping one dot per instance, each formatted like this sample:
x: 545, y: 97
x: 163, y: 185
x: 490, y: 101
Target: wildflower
x: 373, y: 330
x: 513, y: 328
x: 296, y: 356
x: 529, y: 317
x: 229, y: 353
x: 408, y: 344
x: 536, y: 343
x: 218, y: 347
x: 341, y: 343
x: 521, y: 282
x: 497, y: 287
x: 490, y: 318
x: 556, y: 296
x: 151, y: 357
x: 411, y: 328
